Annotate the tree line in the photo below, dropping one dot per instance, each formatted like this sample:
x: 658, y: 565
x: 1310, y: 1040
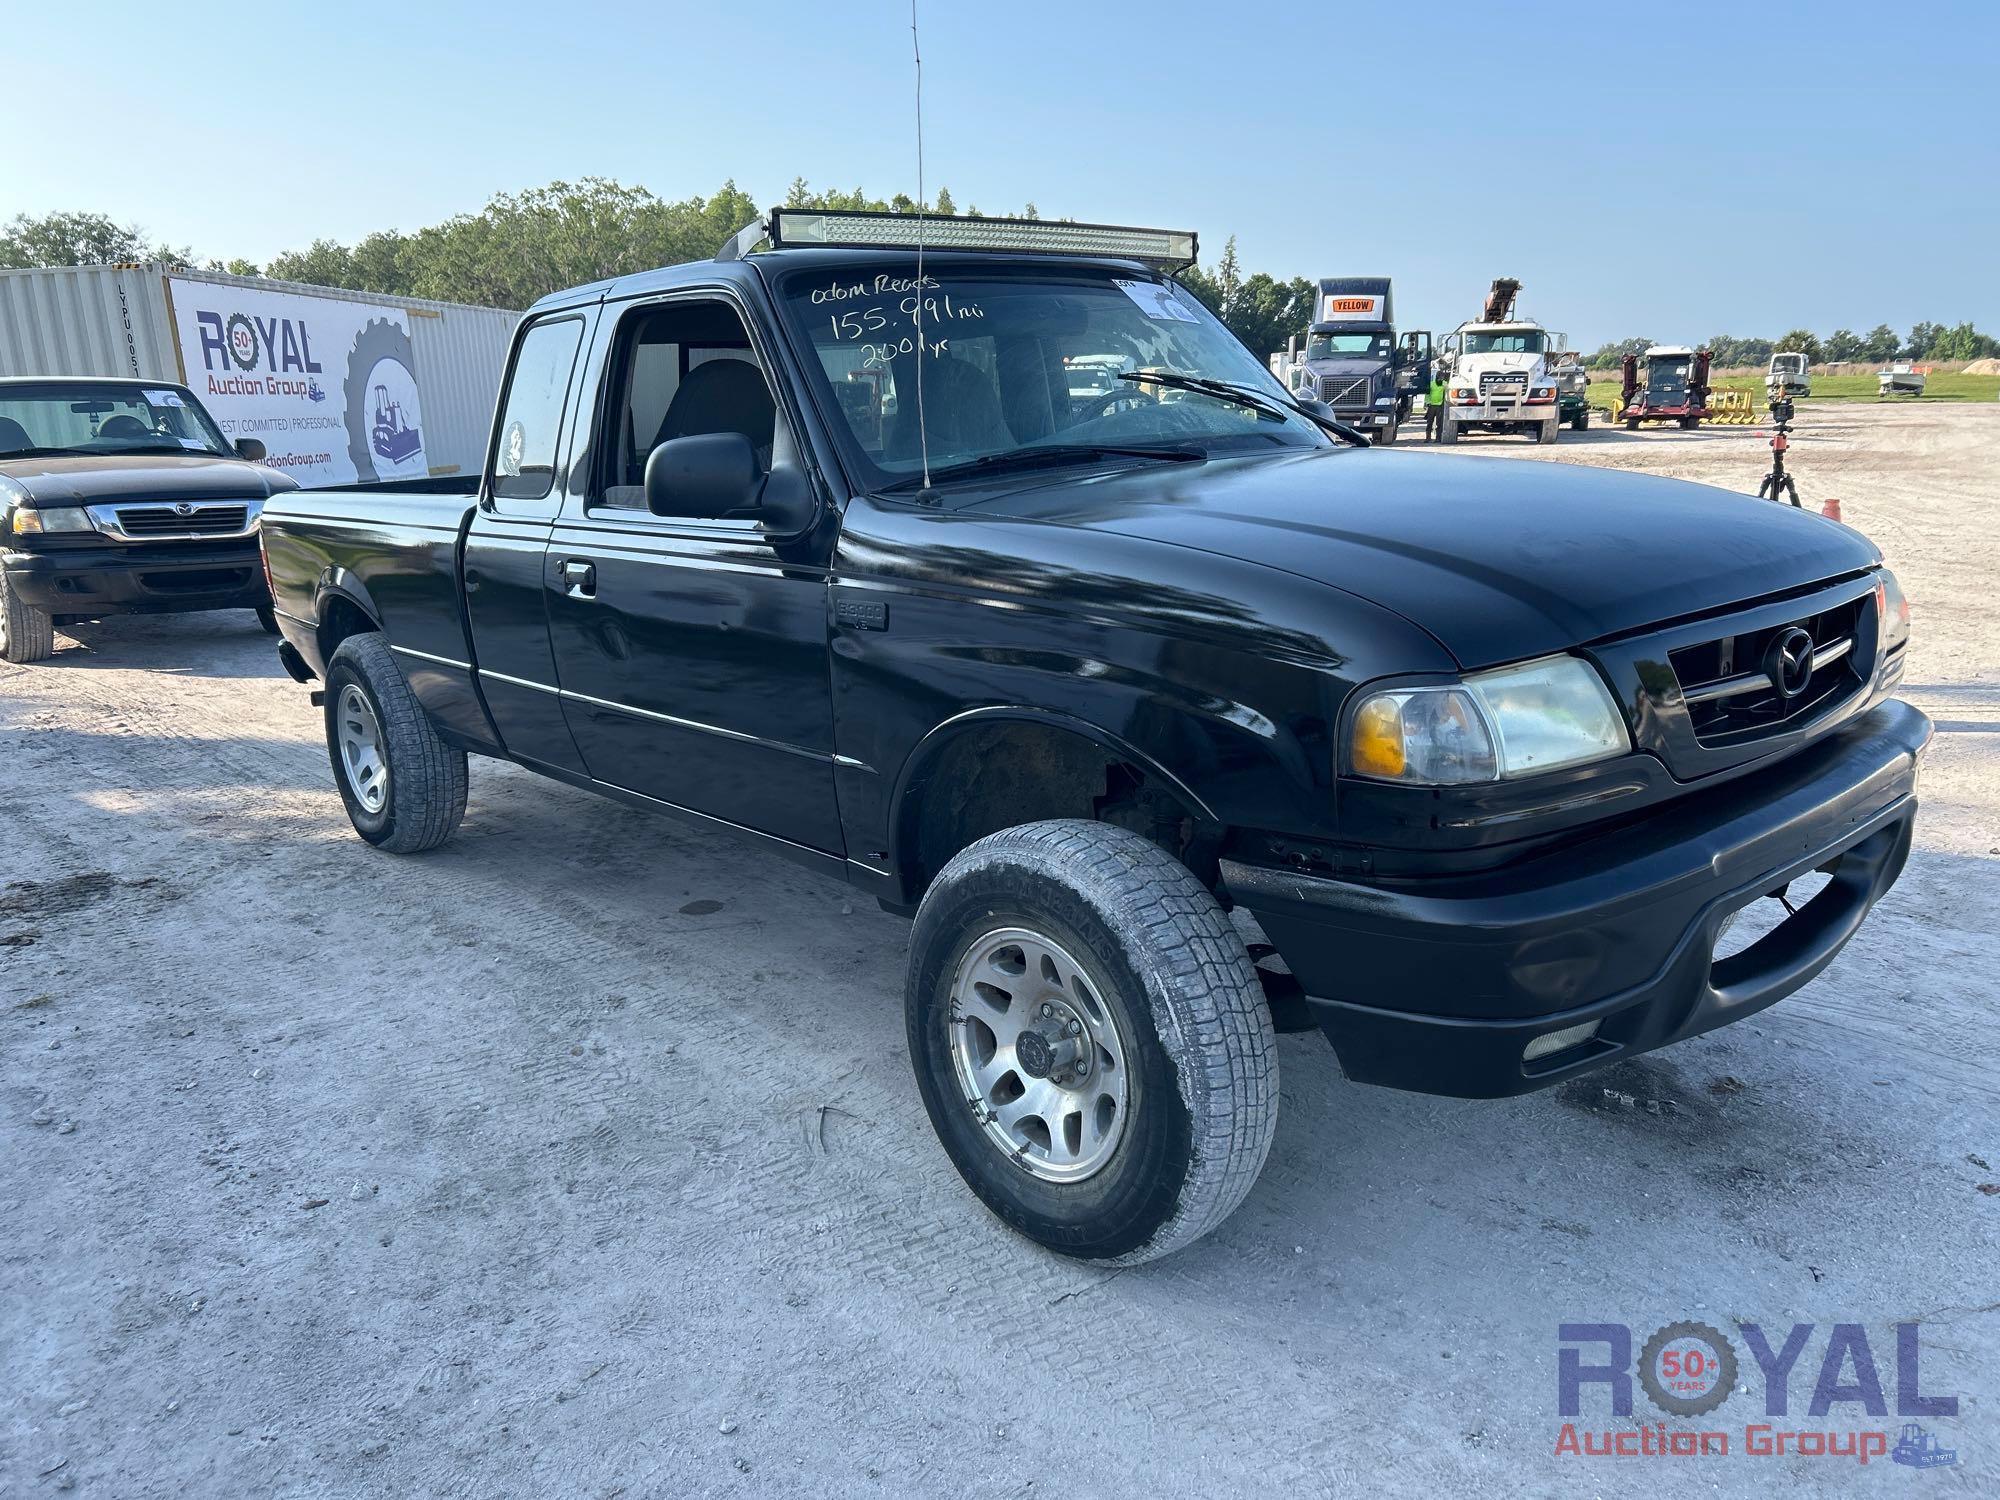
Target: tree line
x: 1933, y: 341
x: 522, y: 246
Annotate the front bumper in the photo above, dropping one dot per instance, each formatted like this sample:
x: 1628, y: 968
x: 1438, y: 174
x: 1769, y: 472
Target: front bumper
x: 1503, y: 411
x: 1619, y: 929
x: 143, y: 578
x: 1366, y: 416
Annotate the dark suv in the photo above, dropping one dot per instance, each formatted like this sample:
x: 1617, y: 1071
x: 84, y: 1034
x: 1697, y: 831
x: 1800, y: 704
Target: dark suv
x: 122, y: 497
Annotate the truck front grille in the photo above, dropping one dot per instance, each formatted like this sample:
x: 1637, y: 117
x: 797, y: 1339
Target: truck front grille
x: 1743, y: 687
x: 1503, y: 383
x: 1344, y: 390
x: 164, y: 519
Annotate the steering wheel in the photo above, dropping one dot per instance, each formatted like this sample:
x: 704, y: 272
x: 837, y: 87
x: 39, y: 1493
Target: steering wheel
x: 1093, y: 407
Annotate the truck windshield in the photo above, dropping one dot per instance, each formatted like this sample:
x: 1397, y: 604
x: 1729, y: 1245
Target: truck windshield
x: 1023, y: 361
x: 79, y: 417
x: 1347, y: 345
x: 1506, y: 341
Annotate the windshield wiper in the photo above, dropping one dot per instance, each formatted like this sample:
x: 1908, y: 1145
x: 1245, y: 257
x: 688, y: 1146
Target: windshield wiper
x: 44, y: 453
x: 165, y: 448
x: 1250, y: 396
x: 1048, y: 455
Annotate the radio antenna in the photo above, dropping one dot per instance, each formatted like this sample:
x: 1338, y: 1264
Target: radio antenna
x: 923, y: 432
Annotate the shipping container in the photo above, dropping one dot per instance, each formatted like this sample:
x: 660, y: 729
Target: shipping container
x: 340, y: 387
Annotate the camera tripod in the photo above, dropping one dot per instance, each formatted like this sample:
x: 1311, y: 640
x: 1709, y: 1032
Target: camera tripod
x: 1778, y: 483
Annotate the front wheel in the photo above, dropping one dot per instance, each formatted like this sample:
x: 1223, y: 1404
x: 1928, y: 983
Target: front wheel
x: 1090, y: 1040
x: 1580, y: 422
x: 404, y: 787
x: 1385, y: 437
x: 1447, y: 430
x: 26, y: 633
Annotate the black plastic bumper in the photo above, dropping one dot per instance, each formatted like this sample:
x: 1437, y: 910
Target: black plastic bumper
x: 155, y: 578
x: 1439, y: 985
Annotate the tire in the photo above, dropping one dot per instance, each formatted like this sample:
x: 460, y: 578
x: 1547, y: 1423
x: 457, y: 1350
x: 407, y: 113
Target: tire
x: 1580, y: 422
x: 1631, y: 424
x: 1447, y: 431
x: 1148, y: 961
x: 1547, y: 432
x: 1688, y: 424
x: 26, y: 633
x: 415, y: 800
x: 1385, y: 437
x: 267, y: 617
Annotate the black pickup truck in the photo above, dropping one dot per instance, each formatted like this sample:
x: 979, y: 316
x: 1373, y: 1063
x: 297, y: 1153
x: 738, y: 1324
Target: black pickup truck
x: 1173, y: 718
x: 122, y: 497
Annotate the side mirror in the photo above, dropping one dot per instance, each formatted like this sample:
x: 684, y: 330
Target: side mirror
x: 251, y: 449
x: 711, y: 474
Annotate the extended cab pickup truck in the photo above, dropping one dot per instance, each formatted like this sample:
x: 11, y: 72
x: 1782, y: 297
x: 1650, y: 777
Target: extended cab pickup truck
x: 122, y: 497
x: 1171, y: 717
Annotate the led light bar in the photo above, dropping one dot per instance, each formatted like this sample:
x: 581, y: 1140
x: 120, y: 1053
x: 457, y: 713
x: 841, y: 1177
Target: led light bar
x: 787, y: 228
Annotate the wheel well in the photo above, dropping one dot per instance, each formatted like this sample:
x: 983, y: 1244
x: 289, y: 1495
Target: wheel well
x: 340, y: 617
x: 999, y: 775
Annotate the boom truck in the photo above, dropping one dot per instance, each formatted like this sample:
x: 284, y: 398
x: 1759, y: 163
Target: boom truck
x: 1500, y: 373
x: 1355, y: 362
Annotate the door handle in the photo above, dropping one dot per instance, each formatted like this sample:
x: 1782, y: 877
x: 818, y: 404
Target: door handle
x: 580, y: 578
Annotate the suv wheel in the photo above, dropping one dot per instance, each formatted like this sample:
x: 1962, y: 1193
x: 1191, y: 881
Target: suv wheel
x: 403, y: 785
x: 1090, y: 1040
x: 26, y: 633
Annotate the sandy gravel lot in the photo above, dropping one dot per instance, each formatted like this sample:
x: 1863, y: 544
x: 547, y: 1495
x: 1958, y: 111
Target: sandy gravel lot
x: 582, y: 1157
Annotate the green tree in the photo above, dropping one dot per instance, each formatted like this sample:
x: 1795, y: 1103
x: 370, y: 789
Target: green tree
x: 1962, y: 341
x: 79, y: 239
x: 1842, y: 344
x: 1609, y: 356
x: 1880, y: 344
x: 1801, y: 341
x: 1923, y: 337
x: 944, y: 203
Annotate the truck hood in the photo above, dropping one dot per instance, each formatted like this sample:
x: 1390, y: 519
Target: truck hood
x: 1475, y: 363
x: 1500, y: 560
x: 100, y: 477
x: 1349, y: 366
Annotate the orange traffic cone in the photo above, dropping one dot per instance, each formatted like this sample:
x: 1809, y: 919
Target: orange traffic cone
x: 1831, y: 510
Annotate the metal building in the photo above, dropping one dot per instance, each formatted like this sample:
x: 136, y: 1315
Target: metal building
x: 339, y: 386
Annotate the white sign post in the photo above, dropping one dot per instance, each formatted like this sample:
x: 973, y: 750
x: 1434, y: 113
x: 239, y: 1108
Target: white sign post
x: 329, y: 387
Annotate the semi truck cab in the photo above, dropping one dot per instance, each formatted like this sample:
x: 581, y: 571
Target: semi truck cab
x: 1354, y: 360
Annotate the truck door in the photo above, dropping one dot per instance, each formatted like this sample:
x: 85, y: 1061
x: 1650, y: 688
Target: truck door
x: 507, y: 546
x: 1414, y: 370
x: 692, y: 658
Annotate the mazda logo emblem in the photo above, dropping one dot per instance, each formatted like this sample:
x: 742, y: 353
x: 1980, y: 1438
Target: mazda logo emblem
x: 182, y: 508
x: 1789, y: 662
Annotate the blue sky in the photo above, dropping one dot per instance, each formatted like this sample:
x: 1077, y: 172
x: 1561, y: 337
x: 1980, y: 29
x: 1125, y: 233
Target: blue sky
x: 1632, y: 164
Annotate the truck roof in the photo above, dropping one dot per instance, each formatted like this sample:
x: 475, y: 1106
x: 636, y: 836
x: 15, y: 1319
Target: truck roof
x: 837, y: 261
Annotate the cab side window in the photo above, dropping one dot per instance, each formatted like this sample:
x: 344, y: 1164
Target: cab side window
x: 524, y: 455
x: 679, y: 369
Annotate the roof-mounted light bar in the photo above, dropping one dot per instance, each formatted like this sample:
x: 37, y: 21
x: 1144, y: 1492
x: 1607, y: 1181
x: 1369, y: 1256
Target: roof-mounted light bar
x: 1167, y: 250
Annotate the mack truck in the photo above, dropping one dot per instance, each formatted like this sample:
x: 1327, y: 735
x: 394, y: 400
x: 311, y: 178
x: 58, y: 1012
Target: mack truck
x: 1354, y: 361
x: 1500, y: 373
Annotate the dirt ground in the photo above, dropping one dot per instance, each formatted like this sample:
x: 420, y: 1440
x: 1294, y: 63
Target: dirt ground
x: 582, y: 1157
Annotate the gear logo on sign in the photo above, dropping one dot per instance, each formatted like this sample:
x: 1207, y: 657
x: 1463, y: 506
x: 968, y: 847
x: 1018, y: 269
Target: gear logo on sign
x: 1688, y: 1369
x: 384, y: 418
x: 241, y: 336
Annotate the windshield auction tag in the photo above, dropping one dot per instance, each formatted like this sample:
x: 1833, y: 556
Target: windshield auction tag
x: 164, y: 398
x: 1156, y: 301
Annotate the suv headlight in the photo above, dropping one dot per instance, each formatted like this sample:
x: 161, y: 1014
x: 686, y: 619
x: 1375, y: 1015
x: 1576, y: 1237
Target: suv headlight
x: 28, y: 521
x: 1514, y: 721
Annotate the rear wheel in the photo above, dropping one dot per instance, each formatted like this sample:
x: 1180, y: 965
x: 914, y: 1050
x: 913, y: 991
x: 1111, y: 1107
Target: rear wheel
x: 404, y: 787
x: 26, y: 633
x: 1090, y: 1039
x: 1581, y: 421
x: 1688, y: 424
x: 268, y: 618
x: 1631, y: 424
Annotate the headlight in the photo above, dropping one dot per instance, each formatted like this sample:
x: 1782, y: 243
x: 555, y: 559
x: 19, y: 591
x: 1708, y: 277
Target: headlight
x: 28, y: 521
x: 1516, y: 721
x: 1893, y: 610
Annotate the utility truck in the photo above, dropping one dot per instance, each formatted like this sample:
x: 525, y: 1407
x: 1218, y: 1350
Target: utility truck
x: 1500, y: 373
x: 1355, y: 362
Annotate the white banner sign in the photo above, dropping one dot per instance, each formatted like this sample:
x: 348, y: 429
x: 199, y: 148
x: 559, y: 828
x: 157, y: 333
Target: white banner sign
x: 329, y: 387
